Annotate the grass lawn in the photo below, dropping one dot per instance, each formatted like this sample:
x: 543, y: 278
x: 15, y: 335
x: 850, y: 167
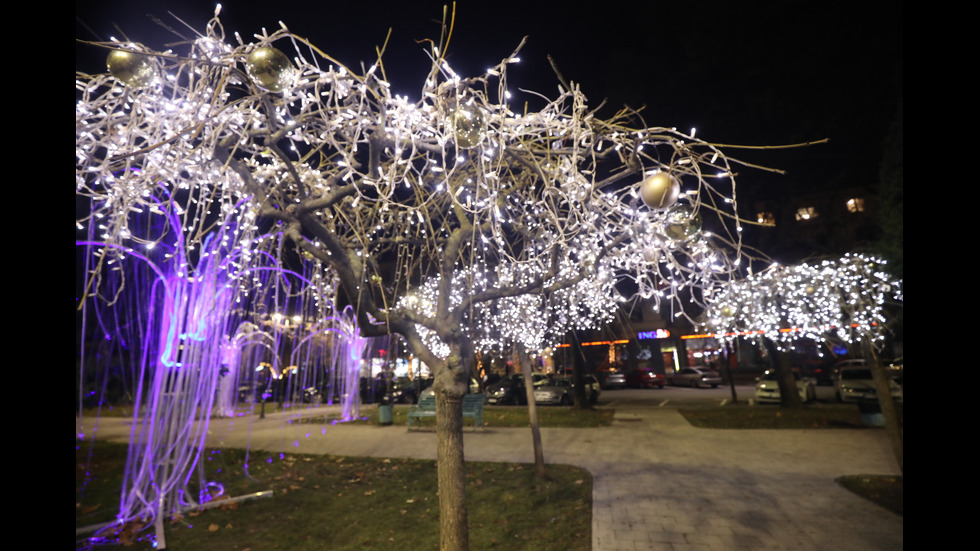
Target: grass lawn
x: 744, y: 416
x: 494, y: 416
x: 886, y: 491
x: 329, y: 502
x: 357, y: 503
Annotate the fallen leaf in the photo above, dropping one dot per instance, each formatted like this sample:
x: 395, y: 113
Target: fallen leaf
x: 213, y: 528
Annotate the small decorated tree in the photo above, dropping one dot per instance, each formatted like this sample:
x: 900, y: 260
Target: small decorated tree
x: 839, y: 300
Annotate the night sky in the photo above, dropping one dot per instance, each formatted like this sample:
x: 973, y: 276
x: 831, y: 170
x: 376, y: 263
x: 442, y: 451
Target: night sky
x: 766, y: 72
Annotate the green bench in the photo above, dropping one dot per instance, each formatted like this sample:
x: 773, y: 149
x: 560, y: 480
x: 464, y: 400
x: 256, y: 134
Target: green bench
x: 472, y: 408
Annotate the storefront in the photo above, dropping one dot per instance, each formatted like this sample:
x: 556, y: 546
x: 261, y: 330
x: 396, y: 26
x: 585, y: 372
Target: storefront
x: 656, y: 349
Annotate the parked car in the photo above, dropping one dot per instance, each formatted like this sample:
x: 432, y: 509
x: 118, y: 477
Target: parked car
x: 611, y: 378
x: 558, y: 391
x: 848, y: 363
x: 767, y: 388
x: 695, y: 377
x: 406, y: 391
x: 821, y: 373
x: 644, y: 378
x: 510, y: 390
x: 311, y: 394
x: 896, y: 370
x: 855, y: 383
x: 561, y: 391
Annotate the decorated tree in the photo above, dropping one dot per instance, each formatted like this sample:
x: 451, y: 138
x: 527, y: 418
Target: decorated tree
x: 846, y: 300
x: 486, y: 202
x: 185, y: 312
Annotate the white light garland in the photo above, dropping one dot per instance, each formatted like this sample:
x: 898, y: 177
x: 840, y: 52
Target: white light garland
x: 533, y: 219
x: 840, y: 300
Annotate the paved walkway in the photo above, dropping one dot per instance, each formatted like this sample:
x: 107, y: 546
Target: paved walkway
x: 659, y: 484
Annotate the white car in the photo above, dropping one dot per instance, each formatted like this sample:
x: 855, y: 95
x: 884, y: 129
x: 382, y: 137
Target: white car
x: 767, y: 389
x: 855, y: 383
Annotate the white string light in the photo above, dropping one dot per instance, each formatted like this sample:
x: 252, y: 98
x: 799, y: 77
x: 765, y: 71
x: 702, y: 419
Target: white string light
x: 279, y: 153
x: 841, y: 300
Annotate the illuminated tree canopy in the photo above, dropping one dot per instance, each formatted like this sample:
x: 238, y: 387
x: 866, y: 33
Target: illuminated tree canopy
x: 389, y: 192
x: 533, y: 320
x: 843, y: 299
x: 458, y: 198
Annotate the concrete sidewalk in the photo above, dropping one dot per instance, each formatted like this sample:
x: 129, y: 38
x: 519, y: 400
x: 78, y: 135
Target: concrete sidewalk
x: 659, y: 484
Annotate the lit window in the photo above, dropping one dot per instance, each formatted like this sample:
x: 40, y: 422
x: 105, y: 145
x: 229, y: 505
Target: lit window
x: 855, y: 205
x: 766, y: 218
x: 806, y: 213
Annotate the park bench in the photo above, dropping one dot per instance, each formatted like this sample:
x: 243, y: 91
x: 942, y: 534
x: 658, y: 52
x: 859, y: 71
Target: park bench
x: 472, y: 408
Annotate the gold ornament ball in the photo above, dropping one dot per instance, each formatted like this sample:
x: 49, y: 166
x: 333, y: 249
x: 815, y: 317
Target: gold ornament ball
x: 469, y: 125
x: 727, y: 311
x: 651, y: 254
x: 269, y: 68
x: 681, y: 224
x: 132, y: 69
x: 659, y: 190
x: 810, y: 289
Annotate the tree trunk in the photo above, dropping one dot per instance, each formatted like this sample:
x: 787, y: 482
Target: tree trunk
x: 789, y: 394
x: 887, y: 404
x: 532, y: 410
x: 453, y: 518
x: 578, y: 369
x: 726, y: 361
